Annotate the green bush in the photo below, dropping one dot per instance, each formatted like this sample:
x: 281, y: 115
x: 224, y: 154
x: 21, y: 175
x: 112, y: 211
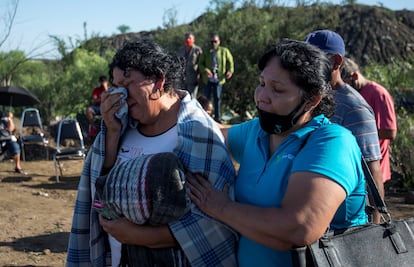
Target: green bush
x: 402, y: 150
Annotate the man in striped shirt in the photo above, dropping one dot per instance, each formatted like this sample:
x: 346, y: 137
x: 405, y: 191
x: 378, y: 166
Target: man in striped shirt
x: 352, y: 111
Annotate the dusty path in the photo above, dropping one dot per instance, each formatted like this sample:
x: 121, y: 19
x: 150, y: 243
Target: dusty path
x: 36, y: 213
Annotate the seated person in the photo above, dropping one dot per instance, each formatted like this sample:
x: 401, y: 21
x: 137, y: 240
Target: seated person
x: 7, y: 128
x: 94, y: 109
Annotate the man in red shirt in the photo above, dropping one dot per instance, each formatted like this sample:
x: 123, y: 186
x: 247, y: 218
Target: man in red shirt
x: 382, y: 104
x: 94, y: 109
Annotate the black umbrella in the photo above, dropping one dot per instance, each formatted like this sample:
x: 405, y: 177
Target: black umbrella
x: 15, y: 96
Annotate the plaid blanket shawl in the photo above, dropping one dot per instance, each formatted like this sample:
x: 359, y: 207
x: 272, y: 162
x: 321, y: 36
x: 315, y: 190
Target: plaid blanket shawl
x: 201, y: 149
x: 148, y: 189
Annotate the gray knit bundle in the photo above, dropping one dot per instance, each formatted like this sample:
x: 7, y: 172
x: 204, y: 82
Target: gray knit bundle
x: 148, y: 189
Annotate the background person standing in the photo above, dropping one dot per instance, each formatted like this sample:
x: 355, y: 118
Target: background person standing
x: 216, y: 66
x: 382, y: 104
x: 191, y: 53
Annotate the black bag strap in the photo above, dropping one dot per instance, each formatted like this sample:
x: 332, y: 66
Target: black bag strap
x: 373, y: 190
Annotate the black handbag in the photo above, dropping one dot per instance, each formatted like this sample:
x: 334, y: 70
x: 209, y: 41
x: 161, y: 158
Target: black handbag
x: 371, y: 245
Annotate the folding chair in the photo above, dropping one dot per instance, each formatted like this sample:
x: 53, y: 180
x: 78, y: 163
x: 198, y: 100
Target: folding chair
x: 31, y: 131
x: 69, y: 143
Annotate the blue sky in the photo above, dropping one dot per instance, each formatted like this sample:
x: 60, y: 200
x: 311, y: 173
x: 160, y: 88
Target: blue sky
x: 37, y: 19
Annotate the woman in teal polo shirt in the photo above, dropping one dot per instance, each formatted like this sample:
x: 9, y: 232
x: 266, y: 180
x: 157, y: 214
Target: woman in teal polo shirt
x: 299, y: 174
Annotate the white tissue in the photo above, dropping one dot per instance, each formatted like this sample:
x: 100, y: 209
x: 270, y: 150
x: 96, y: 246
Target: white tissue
x: 122, y: 113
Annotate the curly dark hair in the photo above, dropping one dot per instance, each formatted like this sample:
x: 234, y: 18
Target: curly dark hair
x: 309, y: 68
x: 150, y: 59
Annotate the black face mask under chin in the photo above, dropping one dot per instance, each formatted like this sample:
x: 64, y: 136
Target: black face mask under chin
x: 278, y: 124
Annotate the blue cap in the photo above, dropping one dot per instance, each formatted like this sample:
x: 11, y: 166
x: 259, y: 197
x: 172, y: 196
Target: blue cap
x: 328, y: 41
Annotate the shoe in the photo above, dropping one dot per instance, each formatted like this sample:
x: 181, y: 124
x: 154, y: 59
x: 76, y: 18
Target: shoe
x: 17, y: 170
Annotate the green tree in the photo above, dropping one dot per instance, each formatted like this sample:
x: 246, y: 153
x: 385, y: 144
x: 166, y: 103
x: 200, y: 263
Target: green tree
x: 64, y: 87
x: 11, y: 64
x: 78, y: 78
x: 398, y: 79
x: 41, y: 77
x: 170, y: 18
x: 348, y: 2
x: 123, y: 28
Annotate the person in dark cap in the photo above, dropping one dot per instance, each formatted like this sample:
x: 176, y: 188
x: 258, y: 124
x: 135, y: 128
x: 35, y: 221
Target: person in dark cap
x: 352, y: 111
x: 328, y: 41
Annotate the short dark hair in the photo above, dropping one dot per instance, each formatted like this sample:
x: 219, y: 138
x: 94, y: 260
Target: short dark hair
x: 212, y: 35
x: 204, y: 101
x: 149, y: 58
x: 188, y: 34
x: 308, y: 67
x: 102, y: 78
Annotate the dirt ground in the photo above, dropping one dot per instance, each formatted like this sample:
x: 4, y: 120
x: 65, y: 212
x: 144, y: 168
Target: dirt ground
x: 36, y: 212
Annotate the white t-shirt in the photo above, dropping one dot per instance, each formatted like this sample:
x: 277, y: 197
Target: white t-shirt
x: 135, y: 144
